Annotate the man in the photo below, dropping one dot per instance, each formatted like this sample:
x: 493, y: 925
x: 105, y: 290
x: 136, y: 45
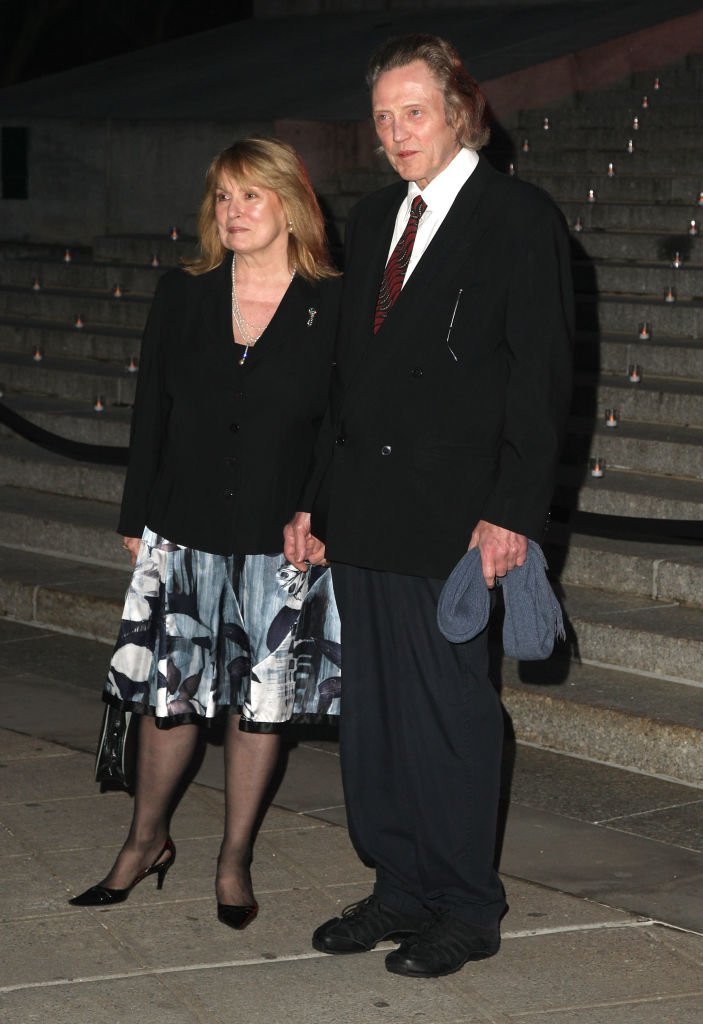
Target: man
x: 452, y: 388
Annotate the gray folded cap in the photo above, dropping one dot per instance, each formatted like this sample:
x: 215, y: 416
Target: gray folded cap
x: 533, y: 617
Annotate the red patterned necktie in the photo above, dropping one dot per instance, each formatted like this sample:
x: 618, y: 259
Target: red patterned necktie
x: 394, y: 274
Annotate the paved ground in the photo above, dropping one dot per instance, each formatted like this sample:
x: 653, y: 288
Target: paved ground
x: 603, y: 868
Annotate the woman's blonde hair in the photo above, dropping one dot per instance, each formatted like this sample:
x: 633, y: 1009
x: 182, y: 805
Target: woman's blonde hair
x: 276, y: 165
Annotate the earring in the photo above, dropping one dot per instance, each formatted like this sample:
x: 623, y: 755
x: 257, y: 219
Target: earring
x: 290, y: 227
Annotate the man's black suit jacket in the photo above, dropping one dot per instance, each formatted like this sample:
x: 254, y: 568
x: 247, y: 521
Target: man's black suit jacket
x: 219, y: 452
x: 454, y: 412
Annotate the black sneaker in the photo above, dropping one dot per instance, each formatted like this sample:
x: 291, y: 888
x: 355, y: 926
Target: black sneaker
x: 442, y: 947
x: 361, y: 926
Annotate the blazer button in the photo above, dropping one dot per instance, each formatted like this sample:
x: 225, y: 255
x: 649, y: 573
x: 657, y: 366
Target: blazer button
x: 340, y: 441
x: 234, y: 427
x: 386, y: 449
x: 417, y: 371
x: 229, y: 494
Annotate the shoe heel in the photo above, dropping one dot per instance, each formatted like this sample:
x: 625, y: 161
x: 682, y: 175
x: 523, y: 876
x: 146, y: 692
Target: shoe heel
x: 162, y: 869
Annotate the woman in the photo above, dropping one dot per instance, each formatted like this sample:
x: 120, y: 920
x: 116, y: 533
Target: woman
x: 233, y: 381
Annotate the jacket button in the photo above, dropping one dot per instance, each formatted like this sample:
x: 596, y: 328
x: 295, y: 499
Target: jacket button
x: 340, y: 441
x: 229, y: 494
x: 386, y: 449
x: 417, y: 371
x: 234, y: 427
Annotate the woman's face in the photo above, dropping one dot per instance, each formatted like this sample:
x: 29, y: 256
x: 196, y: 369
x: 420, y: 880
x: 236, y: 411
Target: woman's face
x: 250, y: 218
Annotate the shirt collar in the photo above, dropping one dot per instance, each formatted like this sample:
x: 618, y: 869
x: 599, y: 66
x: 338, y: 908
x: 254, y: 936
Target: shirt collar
x: 443, y: 190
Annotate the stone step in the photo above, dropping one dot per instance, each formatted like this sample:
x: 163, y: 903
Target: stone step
x: 611, y: 113
x: 72, y: 419
x: 25, y: 465
x: 606, y: 714
x: 103, y: 342
x: 101, y: 277
x: 620, y: 493
x: 622, y: 187
x: 673, y: 218
x: 654, y: 400
x: 618, y: 313
x: 662, y: 572
x: 637, y: 245
x: 649, y: 279
x: 568, y: 133
x: 62, y: 594
x: 637, y: 633
x: 660, y: 356
x: 555, y: 157
x: 65, y: 306
x: 638, y: 447
x: 67, y: 378
x: 141, y: 249
x: 54, y: 524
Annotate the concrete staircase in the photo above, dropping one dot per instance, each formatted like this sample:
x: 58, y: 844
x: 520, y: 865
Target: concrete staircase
x: 628, y: 686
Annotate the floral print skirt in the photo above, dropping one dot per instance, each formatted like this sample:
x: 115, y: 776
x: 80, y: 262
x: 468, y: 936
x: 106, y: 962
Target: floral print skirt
x: 203, y: 632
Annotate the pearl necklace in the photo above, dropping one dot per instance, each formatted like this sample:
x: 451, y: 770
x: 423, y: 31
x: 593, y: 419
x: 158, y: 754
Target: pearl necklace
x: 239, y: 320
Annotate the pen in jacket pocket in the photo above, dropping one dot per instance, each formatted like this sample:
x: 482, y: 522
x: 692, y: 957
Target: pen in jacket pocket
x: 451, y: 324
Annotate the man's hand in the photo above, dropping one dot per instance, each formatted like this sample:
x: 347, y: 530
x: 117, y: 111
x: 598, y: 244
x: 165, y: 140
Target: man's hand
x: 299, y: 545
x: 501, y: 550
x: 131, y: 544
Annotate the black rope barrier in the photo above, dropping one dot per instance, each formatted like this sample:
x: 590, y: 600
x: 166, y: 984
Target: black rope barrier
x: 594, y: 524
x: 601, y: 524
x: 98, y: 453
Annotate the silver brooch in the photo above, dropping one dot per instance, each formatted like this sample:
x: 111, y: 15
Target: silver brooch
x: 312, y: 313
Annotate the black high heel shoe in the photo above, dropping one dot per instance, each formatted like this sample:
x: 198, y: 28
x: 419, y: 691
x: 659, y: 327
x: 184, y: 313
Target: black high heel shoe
x: 100, y: 896
x: 237, y: 917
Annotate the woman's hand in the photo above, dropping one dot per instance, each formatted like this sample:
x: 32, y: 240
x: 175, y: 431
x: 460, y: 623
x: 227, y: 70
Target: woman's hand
x: 131, y: 544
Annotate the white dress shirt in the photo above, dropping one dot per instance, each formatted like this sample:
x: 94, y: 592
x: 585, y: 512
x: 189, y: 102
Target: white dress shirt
x: 439, y: 196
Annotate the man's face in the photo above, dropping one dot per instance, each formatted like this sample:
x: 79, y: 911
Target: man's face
x: 411, y: 123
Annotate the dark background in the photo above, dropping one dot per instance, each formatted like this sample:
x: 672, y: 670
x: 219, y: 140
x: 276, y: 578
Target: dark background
x: 39, y: 37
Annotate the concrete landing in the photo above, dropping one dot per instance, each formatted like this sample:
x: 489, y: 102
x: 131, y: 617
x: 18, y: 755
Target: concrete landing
x: 603, y: 871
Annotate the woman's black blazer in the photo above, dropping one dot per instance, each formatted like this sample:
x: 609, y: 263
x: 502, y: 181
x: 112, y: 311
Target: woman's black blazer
x: 219, y: 451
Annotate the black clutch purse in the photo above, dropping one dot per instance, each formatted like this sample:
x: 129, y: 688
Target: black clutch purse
x: 116, y: 757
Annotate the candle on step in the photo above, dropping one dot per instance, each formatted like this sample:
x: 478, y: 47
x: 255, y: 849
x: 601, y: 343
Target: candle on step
x: 657, y: 83
x: 612, y: 418
x: 611, y: 170
x: 155, y: 261
x: 546, y: 124
x: 634, y: 373
x: 78, y: 322
x: 99, y: 404
x: 526, y: 145
x: 645, y: 331
x: 173, y: 233
x: 597, y: 466
x: 37, y: 354
x: 36, y: 285
x: 645, y: 102
x: 117, y: 291
x: 132, y: 365
x: 591, y: 195
x: 699, y: 201
x: 578, y: 224
x: 630, y: 146
x: 670, y: 295
x: 677, y: 261
x: 67, y: 256
x: 693, y: 228
x: 635, y: 124
x: 511, y: 170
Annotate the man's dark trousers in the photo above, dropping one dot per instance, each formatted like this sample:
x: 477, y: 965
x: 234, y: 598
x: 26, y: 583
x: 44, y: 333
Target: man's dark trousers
x: 421, y: 739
